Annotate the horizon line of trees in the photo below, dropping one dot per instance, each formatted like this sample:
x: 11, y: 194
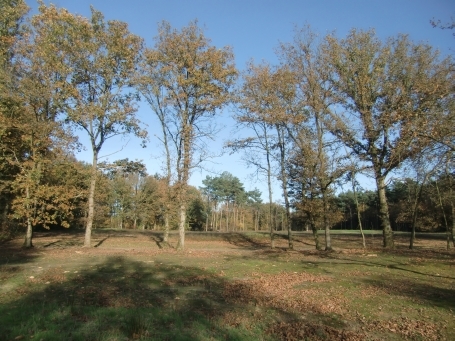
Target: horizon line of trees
x: 332, y: 109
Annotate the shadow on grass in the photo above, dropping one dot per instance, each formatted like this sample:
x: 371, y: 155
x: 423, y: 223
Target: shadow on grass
x: 431, y: 294
x: 159, y: 240
x: 122, y: 299
x: 13, y: 255
x: 387, y: 264
x: 242, y: 240
x: 101, y: 241
x: 248, y: 242
x: 119, y: 299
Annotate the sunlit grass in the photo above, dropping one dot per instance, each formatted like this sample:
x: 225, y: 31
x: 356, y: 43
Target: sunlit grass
x: 233, y: 288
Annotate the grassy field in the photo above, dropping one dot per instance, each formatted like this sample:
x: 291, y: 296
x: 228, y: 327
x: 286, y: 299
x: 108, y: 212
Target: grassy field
x: 224, y: 287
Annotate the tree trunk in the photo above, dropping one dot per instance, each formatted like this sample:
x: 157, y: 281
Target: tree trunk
x: 448, y: 234
x: 182, y: 211
x: 227, y: 216
x: 384, y: 213
x: 207, y: 216
x: 221, y: 217
x: 269, y: 183
x: 359, y: 216
x: 29, y: 233
x: 91, y: 201
x: 452, y: 206
x: 166, y: 227
x: 453, y: 223
x: 414, y: 213
x: 328, y: 240
x: 315, y: 233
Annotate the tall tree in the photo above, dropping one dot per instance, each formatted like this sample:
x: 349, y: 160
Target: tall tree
x: 387, y: 90
x: 11, y: 31
x: 264, y: 101
x: 41, y: 96
x: 101, y: 58
x: 309, y: 132
x: 193, y: 80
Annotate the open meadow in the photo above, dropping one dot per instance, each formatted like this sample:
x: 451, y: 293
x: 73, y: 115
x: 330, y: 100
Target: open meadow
x: 224, y: 286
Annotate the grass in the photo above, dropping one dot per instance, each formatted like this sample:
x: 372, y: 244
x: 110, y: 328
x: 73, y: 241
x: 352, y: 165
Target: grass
x: 224, y: 287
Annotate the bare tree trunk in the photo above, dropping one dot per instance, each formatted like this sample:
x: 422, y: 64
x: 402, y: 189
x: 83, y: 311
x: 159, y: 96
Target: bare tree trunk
x: 453, y: 223
x: 269, y: 184
x: 227, y: 216
x: 91, y: 201
x: 384, y: 213
x: 182, y: 213
x: 359, y: 217
x: 448, y: 234
x: 166, y: 227
x: 452, y: 206
x: 328, y: 241
x: 315, y: 233
x: 221, y: 217
x: 29, y: 233
x: 207, y: 216
x: 414, y: 213
x: 235, y: 220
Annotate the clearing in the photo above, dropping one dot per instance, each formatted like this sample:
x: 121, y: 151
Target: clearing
x: 224, y: 286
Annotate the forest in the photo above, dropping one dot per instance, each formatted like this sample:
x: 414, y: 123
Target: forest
x: 332, y: 111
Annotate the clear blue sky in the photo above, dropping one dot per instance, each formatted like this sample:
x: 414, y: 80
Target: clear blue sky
x: 254, y: 28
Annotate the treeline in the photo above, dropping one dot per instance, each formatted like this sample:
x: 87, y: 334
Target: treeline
x: 332, y: 109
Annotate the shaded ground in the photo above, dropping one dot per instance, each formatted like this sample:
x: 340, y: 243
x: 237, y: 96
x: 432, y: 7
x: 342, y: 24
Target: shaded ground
x: 224, y: 287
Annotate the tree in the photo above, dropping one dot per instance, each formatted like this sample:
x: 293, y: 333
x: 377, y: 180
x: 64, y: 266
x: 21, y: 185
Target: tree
x: 191, y: 82
x: 264, y: 100
x: 387, y: 91
x: 34, y: 132
x: 100, y: 58
x: 196, y: 213
x: 127, y: 181
x: 12, y: 31
x: 309, y: 112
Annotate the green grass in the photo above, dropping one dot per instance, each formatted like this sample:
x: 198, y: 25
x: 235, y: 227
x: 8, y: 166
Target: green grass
x: 230, y: 287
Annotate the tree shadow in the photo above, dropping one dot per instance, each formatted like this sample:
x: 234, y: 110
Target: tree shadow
x: 244, y: 241
x: 396, y: 265
x: 14, y: 254
x: 52, y: 243
x: 159, y: 240
x: 129, y: 299
x: 101, y: 241
x: 431, y: 294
